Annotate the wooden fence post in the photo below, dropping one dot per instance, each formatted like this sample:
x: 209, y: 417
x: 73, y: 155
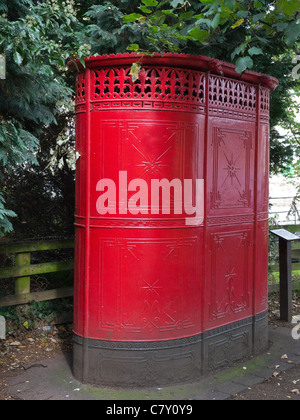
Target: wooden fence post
x: 22, y: 284
x: 286, y: 287
x: 285, y: 256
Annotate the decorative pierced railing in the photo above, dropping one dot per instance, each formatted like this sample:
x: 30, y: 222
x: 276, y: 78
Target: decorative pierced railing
x: 156, y: 87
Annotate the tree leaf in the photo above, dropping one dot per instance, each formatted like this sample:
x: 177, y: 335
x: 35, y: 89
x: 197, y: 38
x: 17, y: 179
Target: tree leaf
x: 150, y: 3
x: 133, y: 47
x: 243, y: 14
x: 187, y: 16
x: 216, y: 21
x: 146, y: 10
x: 255, y: 51
x: 230, y: 4
x: 288, y: 7
x: 238, y: 23
x: 258, y: 17
x: 18, y: 58
x: 135, y: 71
x: 132, y: 17
x: 207, y: 1
x: 241, y: 49
x: 199, y: 34
x: 292, y: 33
x: 176, y: 3
x: 244, y: 63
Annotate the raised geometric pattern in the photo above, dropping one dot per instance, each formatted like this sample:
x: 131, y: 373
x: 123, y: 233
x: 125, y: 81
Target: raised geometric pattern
x: 232, y: 94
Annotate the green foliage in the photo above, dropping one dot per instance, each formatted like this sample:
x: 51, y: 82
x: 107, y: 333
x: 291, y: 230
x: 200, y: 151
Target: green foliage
x: 34, y: 39
x: 288, y: 7
x: 31, y: 316
x: 182, y: 25
x: 43, y: 196
x: 4, y: 216
x: 107, y: 29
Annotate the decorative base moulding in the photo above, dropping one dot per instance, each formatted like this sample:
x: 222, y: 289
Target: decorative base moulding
x: 152, y: 364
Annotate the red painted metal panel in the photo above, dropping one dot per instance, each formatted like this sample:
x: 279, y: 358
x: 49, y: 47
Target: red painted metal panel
x: 262, y: 203
x: 228, y: 286
x: 230, y: 175
x: 147, y: 145
x: 148, y: 276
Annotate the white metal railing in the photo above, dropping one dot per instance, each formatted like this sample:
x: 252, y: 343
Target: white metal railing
x: 283, y: 207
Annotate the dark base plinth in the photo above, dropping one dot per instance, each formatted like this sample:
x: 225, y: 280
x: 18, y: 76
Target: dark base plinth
x: 150, y: 364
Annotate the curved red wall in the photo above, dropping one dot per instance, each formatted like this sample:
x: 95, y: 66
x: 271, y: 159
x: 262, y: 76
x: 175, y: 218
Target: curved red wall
x: 152, y: 278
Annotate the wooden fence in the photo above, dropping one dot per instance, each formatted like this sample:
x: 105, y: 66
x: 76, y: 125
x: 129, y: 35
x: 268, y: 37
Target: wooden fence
x: 23, y: 270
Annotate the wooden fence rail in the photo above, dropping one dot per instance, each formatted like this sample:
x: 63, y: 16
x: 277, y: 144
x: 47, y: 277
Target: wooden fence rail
x: 23, y: 269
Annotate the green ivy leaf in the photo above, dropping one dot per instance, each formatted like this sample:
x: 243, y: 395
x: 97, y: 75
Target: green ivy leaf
x: 288, y: 7
x: 216, y: 21
x: 150, y: 3
x: 199, y: 34
x: 243, y: 64
x: 18, y: 58
x: 207, y: 1
x: 255, y: 51
x: 292, y: 33
x: 238, y: 23
x: 259, y: 16
x: 133, y: 47
x: 132, y: 17
x: 230, y: 4
x: 187, y: 16
x: 176, y: 3
x: 281, y: 26
x: 146, y: 10
x: 239, y: 50
x: 203, y: 21
x: 168, y: 13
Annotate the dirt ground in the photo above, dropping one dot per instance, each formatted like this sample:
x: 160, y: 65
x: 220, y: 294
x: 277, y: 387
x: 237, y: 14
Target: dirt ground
x: 23, y: 350
x: 285, y: 386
